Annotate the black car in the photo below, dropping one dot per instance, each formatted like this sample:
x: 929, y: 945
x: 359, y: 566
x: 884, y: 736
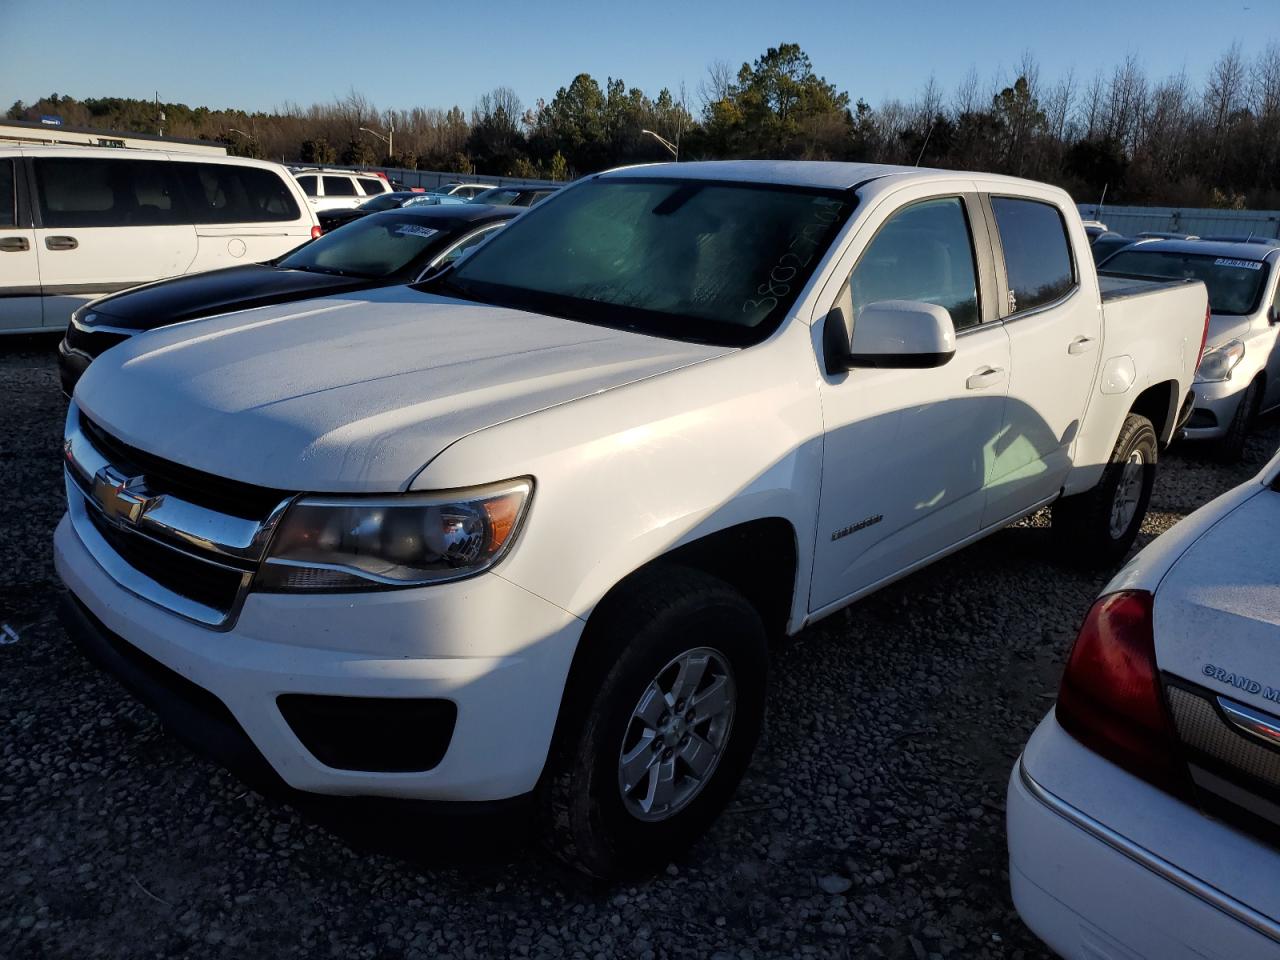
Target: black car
x: 1107, y: 244
x: 382, y: 249
x: 332, y: 219
x: 513, y: 196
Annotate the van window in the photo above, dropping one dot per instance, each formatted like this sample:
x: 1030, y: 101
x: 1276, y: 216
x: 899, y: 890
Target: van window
x: 339, y: 187
x: 8, y: 198
x: 1037, y: 256
x: 230, y: 193
x: 308, y: 185
x: 97, y: 192
x: 372, y: 185
x: 923, y: 252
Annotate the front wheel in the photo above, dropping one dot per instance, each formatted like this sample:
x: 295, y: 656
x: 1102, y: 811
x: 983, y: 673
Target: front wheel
x: 1098, y: 527
x: 658, y: 724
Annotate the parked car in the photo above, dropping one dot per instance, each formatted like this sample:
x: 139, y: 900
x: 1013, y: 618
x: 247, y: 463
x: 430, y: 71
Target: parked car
x: 1094, y: 229
x: 514, y: 196
x: 1101, y: 248
x: 452, y: 193
x: 1142, y: 814
x: 1239, y: 376
x: 546, y: 508
x: 398, y: 246
x: 1165, y: 235
x: 80, y: 222
x: 332, y: 219
x: 339, y: 189
x: 465, y: 191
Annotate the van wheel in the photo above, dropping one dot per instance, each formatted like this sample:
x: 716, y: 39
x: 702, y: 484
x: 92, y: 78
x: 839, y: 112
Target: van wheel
x: 1231, y: 446
x: 1097, y: 528
x: 660, y: 717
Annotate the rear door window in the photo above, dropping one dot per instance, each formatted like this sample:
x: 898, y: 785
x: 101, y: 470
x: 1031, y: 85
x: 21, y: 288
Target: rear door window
x: 230, y: 193
x: 372, y: 185
x: 923, y: 252
x: 1037, y: 254
x: 8, y: 196
x: 101, y: 192
x: 339, y: 187
x: 309, y: 185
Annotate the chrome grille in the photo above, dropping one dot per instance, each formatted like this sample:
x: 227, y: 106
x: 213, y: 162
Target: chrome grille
x: 155, y: 527
x: 1202, y: 728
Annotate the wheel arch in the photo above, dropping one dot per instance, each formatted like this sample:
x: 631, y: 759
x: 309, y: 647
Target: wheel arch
x: 1159, y: 403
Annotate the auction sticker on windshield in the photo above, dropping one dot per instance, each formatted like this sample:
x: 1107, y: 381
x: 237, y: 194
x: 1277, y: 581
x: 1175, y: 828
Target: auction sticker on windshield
x: 1244, y: 264
x: 413, y: 230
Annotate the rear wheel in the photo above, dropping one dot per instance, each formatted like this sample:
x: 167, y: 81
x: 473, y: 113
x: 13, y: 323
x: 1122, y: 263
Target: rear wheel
x: 1231, y: 446
x: 658, y: 725
x: 1098, y: 527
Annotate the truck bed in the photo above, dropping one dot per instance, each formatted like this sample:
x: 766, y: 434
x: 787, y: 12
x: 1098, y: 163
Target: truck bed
x: 1116, y: 286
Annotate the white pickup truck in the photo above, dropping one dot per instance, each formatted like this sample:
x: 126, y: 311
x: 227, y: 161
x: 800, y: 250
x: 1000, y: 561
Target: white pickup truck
x: 525, y: 531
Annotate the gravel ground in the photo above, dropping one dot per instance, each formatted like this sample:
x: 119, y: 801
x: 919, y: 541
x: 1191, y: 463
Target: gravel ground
x: 871, y: 823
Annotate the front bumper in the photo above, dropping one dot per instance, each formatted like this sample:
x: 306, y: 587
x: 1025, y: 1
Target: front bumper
x: 1089, y: 889
x: 1215, y: 406
x: 499, y: 653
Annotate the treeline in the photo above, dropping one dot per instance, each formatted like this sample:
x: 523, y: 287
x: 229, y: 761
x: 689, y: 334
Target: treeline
x: 1143, y: 140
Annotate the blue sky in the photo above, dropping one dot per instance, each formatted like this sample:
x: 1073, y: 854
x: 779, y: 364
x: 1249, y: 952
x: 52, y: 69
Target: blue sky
x: 258, y: 55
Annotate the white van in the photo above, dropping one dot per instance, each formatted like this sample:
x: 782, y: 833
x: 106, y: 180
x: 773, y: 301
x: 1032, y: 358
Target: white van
x: 339, y: 189
x: 80, y: 222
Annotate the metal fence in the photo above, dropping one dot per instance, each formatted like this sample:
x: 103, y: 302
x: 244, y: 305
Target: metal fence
x: 430, y: 179
x: 1199, y: 221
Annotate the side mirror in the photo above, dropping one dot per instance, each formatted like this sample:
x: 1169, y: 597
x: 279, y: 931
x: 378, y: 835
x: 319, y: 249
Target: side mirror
x: 1273, y: 314
x: 890, y: 334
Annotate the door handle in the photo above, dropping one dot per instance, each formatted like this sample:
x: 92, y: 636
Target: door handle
x: 1081, y: 345
x: 61, y: 243
x: 986, y: 377
x: 14, y: 244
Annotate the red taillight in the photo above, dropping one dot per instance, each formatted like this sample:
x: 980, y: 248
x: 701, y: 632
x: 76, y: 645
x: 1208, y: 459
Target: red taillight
x: 1111, y: 699
x: 1204, y: 337
x: 316, y: 231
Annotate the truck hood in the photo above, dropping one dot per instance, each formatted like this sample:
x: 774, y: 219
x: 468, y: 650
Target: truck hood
x: 1219, y: 605
x: 353, y: 395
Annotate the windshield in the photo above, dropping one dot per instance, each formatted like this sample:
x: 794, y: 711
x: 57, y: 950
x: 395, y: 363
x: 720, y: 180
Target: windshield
x: 388, y: 201
x: 689, y: 259
x: 373, y: 248
x: 1235, y: 286
x: 498, y: 196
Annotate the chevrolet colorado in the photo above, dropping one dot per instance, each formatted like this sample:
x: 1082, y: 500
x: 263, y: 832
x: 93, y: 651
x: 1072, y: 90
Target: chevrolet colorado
x: 524, y: 529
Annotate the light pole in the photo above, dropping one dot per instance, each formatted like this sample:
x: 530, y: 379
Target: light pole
x: 675, y: 150
x: 389, y: 140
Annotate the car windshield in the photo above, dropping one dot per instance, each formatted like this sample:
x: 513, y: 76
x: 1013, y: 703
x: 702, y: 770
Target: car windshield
x: 689, y: 259
x: 1235, y: 285
x: 1104, y: 247
x: 388, y: 201
x: 498, y: 196
x: 373, y: 248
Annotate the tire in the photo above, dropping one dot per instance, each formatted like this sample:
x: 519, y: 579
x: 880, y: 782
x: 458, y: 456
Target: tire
x: 1094, y: 528
x: 1230, y: 448
x: 636, y: 638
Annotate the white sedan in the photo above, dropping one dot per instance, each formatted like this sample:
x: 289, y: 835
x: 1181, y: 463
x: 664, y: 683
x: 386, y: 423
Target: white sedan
x: 1144, y: 812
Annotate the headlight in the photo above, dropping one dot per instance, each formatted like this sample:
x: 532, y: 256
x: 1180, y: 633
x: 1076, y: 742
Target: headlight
x: 366, y: 543
x: 1217, y: 364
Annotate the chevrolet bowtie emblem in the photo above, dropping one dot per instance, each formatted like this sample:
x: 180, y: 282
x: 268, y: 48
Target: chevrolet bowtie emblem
x: 121, y: 498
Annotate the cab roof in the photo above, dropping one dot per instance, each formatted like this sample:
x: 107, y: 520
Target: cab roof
x: 822, y: 174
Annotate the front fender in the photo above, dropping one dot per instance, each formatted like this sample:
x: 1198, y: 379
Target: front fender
x: 624, y: 476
